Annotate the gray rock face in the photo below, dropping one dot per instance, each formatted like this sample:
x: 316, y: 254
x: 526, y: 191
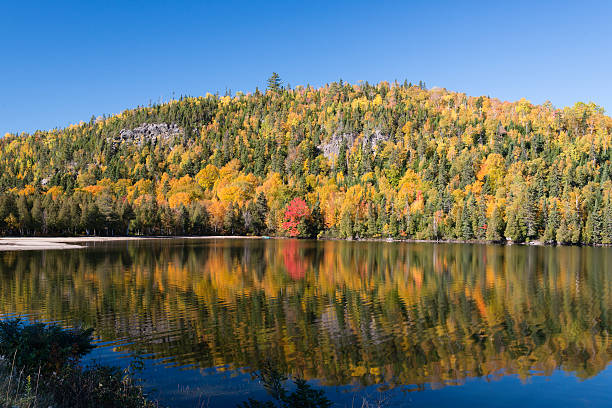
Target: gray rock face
x: 331, y: 148
x: 145, y: 133
x: 376, y: 140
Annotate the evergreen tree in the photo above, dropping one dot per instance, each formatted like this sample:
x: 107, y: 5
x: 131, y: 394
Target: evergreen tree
x: 594, y: 226
x: 528, y: 213
x: 393, y: 225
x: 167, y: 219
x: 346, y: 225
x: 606, y: 235
x: 232, y: 222
x: 64, y: 217
x: 316, y: 222
x: 575, y: 227
x: 37, y: 216
x: 126, y: 214
x: 552, y: 224
x: 372, y: 230
x: 274, y: 82
x: 467, y: 231
x: 515, y: 228
x: 260, y: 214
x: 50, y: 216
x: 495, y: 227
x: 382, y: 218
x: 181, y: 221
x: 24, y: 216
x: 480, y: 221
x: 198, y: 219
x: 563, y: 235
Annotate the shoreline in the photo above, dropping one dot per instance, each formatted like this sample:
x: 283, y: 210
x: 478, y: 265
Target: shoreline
x: 52, y: 243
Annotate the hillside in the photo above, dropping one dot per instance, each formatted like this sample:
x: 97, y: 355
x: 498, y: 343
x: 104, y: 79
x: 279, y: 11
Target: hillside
x: 347, y: 161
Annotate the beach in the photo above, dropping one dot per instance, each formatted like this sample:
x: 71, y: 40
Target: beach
x: 48, y: 243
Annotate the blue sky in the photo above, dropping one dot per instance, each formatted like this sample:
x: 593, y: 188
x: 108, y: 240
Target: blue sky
x: 62, y: 62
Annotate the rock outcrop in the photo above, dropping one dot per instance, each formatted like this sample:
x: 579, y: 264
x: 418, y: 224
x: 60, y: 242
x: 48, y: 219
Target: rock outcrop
x: 331, y: 148
x: 145, y: 133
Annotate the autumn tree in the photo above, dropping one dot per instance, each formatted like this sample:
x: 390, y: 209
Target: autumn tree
x: 296, y: 218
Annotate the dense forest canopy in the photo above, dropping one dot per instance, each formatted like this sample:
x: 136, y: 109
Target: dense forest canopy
x: 349, y: 161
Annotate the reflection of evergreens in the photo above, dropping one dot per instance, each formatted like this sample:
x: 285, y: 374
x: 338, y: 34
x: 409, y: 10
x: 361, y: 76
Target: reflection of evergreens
x: 343, y: 312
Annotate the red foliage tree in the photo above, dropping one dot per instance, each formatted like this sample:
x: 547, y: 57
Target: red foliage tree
x: 297, y: 214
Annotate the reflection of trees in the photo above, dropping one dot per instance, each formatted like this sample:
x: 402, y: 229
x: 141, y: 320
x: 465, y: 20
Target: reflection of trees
x: 366, y: 312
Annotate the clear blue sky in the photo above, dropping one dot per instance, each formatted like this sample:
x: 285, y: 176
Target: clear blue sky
x: 61, y: 62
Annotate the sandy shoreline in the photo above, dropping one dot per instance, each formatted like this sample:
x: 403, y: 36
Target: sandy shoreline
x: 47, y: 243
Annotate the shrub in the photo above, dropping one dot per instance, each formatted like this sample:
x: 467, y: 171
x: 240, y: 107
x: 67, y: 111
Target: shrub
x: 97, y: 386
x: 39, y: 367
x: 45, y: 347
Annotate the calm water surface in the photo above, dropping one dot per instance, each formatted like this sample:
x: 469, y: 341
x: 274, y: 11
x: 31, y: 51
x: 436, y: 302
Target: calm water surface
x: 418, y: 324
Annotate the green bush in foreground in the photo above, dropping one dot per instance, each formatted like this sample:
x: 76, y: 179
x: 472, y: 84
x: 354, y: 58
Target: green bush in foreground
x: 48, y: 347
x: 40, y: 367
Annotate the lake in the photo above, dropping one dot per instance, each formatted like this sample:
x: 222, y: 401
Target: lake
x: 417, y: 324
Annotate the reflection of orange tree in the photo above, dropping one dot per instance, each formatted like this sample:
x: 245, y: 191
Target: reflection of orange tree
x: 366, y: 312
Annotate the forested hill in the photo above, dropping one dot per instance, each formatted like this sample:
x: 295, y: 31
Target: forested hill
x: 358, y: 161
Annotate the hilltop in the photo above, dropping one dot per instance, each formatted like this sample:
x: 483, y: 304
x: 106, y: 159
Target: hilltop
x: 344, y: 160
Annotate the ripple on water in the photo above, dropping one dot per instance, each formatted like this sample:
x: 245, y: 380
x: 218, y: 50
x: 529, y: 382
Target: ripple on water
x: 344, y: 314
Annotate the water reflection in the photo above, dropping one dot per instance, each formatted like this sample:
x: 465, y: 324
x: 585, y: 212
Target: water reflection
x: 342, y: 312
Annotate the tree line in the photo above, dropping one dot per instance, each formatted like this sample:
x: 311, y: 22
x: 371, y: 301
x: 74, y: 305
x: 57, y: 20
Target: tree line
x: 344, y: 160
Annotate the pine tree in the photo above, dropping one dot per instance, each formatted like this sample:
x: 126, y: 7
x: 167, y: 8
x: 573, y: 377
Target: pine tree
x: 316, y: 222
x: 166, y: 216
x: 274, y: 82
x: 37, y: 216
x: 260, y: 213
x: 515, y: 228
x: 495, y: 227
x: 563, y: 235
x: 198, y: 219
x: 393, y: 225
x: 50, y: 216
x: 480, y: 219
x: 24, y: 216
x: 181, y: 220
x: 467, y: 231
x: 232, y: 222
x: 606, y: 235
x: 125, y: 211
x: 64, y: 218
x: 528, y: 214
x: 575, y: 227
x: 346, y: 225
x: 381, y: 219
x: 593, y: 228
x: 552, y: 224
x: 372, y: 230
